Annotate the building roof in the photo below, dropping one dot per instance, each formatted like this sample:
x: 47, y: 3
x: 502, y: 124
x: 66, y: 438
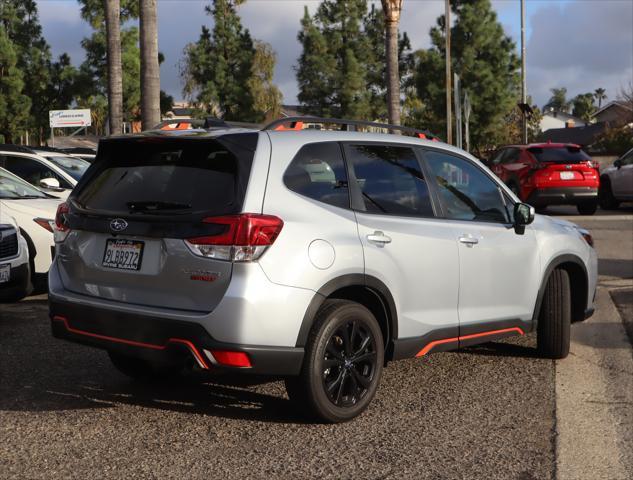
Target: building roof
x: 583, y: 136
x: 614, y: 103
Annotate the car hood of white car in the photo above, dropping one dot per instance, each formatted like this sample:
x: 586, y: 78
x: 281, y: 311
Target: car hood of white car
x: 32, y: 207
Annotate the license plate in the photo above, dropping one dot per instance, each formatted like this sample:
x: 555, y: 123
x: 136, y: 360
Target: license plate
x: 5, y: 273
x: 566, y: 175
x: 123, y: 254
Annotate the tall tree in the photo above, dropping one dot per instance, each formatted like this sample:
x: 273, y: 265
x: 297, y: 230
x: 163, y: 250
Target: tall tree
x: 600, y: 94
x: 392, y: 10
x: 485, y: 59
x: 583, y: 106
x: 558, y: 101
x: 150, y: 73
x: 334, y: 39
x: 115, y: 74
x: 14, y: 105
x: 225, y: 70
x: 376, y: 62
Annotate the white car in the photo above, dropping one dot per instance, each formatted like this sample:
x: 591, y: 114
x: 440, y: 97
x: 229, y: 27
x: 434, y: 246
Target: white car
x: 616, y: 182
x: 52, y: 171
x: 34, y: 212
x: 15, y: 272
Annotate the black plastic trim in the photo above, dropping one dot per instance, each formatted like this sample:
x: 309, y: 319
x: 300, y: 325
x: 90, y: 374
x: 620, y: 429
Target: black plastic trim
x: 266, y: 360
x: 351, y: 280
x: 562, y: 196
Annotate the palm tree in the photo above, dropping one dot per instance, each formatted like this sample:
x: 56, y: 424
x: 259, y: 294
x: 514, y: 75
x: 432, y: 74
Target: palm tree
x: 150, y: 74
x: 600, y: 94
x: 392, y: 10
x: 112, y: 10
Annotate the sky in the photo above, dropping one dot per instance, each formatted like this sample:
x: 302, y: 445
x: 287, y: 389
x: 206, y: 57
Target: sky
x: 577, y: 44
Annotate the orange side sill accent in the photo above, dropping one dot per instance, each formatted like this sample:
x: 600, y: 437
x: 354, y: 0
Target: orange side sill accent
x: 192, y: 348
x: 428, y: 347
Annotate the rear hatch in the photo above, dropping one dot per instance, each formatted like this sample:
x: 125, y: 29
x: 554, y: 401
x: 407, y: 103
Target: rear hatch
x: 133, y: 209
x: 565, y: 166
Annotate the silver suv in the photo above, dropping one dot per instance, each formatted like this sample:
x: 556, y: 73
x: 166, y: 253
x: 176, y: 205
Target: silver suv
x: 316, y: 256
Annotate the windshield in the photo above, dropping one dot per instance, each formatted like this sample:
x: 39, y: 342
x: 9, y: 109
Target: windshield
x: 11, y: 187
x: 559, y: 154
x: 73, y: 166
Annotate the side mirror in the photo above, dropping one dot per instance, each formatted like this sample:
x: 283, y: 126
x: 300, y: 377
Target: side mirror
x: 617, y: 164
x: 50, y: 184
x: 523, y: 215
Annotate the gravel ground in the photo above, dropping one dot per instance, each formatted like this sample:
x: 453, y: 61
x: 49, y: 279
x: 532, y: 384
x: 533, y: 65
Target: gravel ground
x: 65, y: 412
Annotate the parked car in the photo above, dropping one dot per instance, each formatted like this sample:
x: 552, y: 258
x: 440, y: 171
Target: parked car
x: 318, y: 256
x: 616, y: 182
x: 15, y: 274
x: 34, y: 213
x: 53, y: 171
x: 544, y: 174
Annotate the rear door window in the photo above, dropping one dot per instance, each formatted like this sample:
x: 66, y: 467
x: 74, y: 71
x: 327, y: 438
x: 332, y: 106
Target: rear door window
x: 390, y: 180
x: 559, y: 154
x: 318, y: 172
x: 169, y: 176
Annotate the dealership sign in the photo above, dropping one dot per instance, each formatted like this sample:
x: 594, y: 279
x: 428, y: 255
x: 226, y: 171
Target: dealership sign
x: 69, y: 118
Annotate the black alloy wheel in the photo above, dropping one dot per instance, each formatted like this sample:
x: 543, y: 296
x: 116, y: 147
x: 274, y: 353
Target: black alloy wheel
x: 349, y: 363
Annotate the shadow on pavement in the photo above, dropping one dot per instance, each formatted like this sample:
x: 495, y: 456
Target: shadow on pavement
x: 501, y: 349
x: 196, y: 394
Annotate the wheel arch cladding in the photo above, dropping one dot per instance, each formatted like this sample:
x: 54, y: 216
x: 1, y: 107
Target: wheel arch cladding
x: 366, y: 290
x: 578, y: 282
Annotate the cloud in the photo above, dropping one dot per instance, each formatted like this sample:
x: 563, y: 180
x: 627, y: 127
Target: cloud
x: 581, y: 45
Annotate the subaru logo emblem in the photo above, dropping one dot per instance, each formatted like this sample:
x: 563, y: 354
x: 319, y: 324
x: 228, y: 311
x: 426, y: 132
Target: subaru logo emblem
x: 118, y: 225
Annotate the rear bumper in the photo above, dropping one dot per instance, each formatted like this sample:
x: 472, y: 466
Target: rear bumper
x: 562, y: 196
x: 147, y: 336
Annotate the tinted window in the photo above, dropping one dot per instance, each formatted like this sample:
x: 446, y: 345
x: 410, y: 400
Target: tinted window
x: 498, y: 158
x: 627, y: 159
x: 32, y: 171
x: 318, y: 172
x: 465, y: 191
x: 511, y: 156
x: 559, y: 155
x: 390, y: 180
x: 169, y: 176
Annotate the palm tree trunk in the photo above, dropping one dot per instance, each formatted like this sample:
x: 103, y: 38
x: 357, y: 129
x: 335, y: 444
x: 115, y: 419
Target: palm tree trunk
x: 150, y: 72
x: 392, y: 9
x: 115, y: 75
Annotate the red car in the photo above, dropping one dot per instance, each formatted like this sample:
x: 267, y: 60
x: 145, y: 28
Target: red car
x: 543, y: 174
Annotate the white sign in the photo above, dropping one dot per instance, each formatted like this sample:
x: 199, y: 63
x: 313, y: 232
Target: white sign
x: 70, y: 118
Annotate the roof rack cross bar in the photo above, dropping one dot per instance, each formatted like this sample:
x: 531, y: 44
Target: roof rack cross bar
x: 347, y: 125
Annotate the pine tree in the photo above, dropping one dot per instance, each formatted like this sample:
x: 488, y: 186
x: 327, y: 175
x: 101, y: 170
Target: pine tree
x: 226, y: 71
x: 14, y: 105
x: 334, y: 39
x: 485, y: 59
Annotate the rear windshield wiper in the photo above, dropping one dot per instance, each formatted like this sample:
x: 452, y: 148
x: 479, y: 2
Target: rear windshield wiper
x: 156, y: 206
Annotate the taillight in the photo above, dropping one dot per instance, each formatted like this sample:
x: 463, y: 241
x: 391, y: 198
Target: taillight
x: 45, y: 223
x: 244, y: 238
x: 61, y: 229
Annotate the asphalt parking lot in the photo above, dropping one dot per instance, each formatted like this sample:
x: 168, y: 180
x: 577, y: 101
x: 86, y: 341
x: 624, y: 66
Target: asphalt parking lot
x: 483, y: 412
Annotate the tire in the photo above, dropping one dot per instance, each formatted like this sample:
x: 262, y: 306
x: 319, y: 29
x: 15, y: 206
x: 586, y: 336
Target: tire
x: 345, y: 352
x: 141, y: 369
x: 588, y: 208
x: 554, y: 323
x: 605, y: 195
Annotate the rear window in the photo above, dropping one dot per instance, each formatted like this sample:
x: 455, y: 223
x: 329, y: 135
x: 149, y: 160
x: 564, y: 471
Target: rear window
x: 169, y: 176
x: 559, y: 154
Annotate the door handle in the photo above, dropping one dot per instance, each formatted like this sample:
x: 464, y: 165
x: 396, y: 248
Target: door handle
x: 379, y: 237
x: 468, y: 240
